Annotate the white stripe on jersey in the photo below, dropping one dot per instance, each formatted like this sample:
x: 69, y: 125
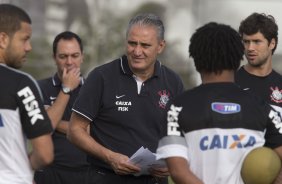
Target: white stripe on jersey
x: 82, y: 114
x: 172, y: 150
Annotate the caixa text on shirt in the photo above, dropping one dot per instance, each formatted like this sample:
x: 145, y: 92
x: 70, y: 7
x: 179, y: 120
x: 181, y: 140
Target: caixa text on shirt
x: 30, y: 104
x: 226, y: 142
x: 123, y: 105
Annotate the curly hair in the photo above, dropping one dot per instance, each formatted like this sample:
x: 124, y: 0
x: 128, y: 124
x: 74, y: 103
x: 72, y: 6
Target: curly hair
x: 216, y: 47
x: 260, y: 22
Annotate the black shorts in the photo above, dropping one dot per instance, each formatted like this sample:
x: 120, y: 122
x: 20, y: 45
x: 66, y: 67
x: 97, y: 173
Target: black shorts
x: 104, y: 176
x: 59, y: 175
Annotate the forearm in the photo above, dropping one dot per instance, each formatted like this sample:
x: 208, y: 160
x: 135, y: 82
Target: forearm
x: 278, y: 180
x: 62, y: 126
x: 57, y: 109
x: 42, y: 152
x: 35, y: 161
x: 180, y: 171
x: 80, y: 137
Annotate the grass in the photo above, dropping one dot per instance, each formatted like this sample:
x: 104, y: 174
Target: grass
x: 170, y: 181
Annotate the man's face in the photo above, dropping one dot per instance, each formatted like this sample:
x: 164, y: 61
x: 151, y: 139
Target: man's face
x: 18, y: 47
x: 143, y: 47
x: 258, y: 50
x: 68, y: 55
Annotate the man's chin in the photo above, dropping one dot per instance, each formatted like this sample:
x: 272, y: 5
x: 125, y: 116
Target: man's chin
x: 16, y: 66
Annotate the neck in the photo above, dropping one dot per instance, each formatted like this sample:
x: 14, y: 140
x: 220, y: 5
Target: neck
x: 144, y: 74
x: 2, y: 60
x: 261, y: 71
x: 224, y: 76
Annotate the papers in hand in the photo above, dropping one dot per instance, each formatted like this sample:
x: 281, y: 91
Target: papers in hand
x: 145, y: 159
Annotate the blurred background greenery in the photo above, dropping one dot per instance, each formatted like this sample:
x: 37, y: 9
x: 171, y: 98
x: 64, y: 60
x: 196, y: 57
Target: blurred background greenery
x: 102, y: 29
x: 102, y: 25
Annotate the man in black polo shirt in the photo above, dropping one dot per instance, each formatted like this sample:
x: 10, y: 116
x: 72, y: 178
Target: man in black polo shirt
x: 124, y: 101
x: 259, y: 33
x: 59, y: 93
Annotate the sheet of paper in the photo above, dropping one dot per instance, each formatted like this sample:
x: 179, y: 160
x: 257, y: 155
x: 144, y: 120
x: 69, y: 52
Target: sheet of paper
x: 145, y: 159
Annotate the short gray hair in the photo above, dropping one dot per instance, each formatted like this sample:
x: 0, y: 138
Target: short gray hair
x: 147, y: 19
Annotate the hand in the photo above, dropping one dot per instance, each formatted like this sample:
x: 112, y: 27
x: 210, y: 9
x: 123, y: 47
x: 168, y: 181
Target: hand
x: 159, y: 172
x: 121, y: 165
x: 71, y: 79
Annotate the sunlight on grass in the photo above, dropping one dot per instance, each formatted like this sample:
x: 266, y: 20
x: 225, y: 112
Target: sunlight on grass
x: 170, y: 181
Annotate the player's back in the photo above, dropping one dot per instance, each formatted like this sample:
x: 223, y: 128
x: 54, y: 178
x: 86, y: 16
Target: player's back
x: 14, y: 163
x: 221, y: 124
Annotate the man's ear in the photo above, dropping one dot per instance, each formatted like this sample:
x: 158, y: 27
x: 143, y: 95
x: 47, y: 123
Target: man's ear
x: 272, y: 43
x: 4, y: 40
x: 82, y: 57
x: 161, y: 46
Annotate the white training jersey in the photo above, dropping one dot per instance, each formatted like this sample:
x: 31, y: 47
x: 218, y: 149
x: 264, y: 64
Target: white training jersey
x: 22, y: 116
x: 214, y: 126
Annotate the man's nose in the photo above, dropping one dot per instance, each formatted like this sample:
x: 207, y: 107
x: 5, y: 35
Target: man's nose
x: 137, y: 50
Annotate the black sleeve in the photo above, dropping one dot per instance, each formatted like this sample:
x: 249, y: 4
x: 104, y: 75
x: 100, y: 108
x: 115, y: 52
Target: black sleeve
x: 34, y: 118
x: 89, y: 99
x: 273, y: 135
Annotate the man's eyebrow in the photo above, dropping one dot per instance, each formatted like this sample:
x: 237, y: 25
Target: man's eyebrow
x: 136, y: 42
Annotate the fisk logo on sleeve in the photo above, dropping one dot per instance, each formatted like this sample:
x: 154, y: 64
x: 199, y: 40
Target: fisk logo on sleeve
x: 172, y: 120
x: 276, y: 120
x: 31, y: 104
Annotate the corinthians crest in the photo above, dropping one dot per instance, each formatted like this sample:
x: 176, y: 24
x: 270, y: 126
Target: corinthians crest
x: 276, y: 94
x: 164, y: 98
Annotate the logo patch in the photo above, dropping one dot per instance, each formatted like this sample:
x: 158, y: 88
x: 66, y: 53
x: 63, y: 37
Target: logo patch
x: 164, y: 98
x: 225, y: 108
x: 123, y: 105
x: 276, y: 94
x: 227, y: 142
x: 172, y: 120
x: 31, y: 105
x: 117, y: 97
x: 52, y: 98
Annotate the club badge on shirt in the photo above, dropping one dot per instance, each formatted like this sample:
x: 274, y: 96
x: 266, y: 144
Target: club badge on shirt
x: 276, y: 94
x: 164, y: 98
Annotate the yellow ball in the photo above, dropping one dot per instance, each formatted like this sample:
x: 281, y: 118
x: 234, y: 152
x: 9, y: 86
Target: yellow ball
x: 261, y: 166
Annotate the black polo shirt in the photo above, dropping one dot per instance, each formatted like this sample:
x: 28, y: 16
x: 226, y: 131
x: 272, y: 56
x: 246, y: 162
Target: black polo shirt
x: 122, y: 119
x: 267, y: 87
x: 66, y: 154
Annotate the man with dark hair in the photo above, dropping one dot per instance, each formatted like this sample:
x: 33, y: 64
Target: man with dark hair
x: 59, y: 93
x: 123, y: 101
x: 22, y: 113
x: 259, y: 33
x: 211, y: 128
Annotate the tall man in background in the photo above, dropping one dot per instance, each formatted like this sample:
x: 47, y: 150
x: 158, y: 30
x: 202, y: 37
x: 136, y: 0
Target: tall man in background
x: 124, y: 102
x: 194, y: 148
x: 59, y: 93
x: 259, y: 33
x: 22, y: 114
